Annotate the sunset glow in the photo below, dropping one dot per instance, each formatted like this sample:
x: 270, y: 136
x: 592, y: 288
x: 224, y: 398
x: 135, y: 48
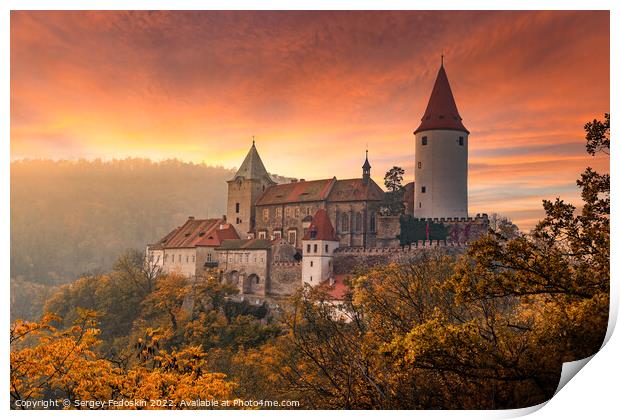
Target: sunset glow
x: 316, y: 88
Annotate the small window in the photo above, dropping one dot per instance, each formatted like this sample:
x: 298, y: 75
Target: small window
x: 308, y: 249
x: 292, y: 237
x: 265, y: 214
x: 311, y: 263
x: 236, y: 207
x: 172, y: 257
x: 316, y: 248
x: 310, y: 278
x: 193, y: 258
x: 424, y: 141
x: 423, y: 189
x: 419, y: 165
x: 461, y: 141
x: 326, y: 248
x: 420, y: 205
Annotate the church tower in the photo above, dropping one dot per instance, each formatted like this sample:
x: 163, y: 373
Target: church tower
x: 244, y: 189
x: 318, y: 245
x: 441, y: 156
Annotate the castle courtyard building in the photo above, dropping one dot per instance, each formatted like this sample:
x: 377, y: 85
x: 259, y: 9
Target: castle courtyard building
x: 189, y: 249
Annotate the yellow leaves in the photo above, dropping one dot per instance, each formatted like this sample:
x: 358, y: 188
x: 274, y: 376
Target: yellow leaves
x: 64, y: 363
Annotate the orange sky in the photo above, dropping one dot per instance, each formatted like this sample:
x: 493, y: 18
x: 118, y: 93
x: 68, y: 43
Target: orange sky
x: 315, y: 88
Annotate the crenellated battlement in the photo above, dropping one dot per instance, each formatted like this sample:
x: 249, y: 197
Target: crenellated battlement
x: 286, y: 263
x: 482, y: 218
x: 394, y: 250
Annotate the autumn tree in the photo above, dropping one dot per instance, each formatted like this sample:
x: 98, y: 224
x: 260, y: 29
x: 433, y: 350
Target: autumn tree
x: 48, y: 363
x: 526, y: 305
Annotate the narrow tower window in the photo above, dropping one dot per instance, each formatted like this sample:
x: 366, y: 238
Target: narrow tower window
x: 236, y: 207
x: 419, y: 165
x: 423, y: 189
x: 461, y: 141
x: 424, y: 141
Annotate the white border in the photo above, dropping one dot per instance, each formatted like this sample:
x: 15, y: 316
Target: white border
x: 593, y: 394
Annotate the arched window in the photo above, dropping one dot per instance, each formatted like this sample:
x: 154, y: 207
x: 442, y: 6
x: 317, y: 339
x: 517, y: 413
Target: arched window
x: 358, y: 222
x: 344, y: 222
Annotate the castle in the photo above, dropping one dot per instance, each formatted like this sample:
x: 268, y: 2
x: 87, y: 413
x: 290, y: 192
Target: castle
x: 276, y: 237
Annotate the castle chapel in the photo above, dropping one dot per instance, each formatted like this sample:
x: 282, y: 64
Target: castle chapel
x: 260, y: 208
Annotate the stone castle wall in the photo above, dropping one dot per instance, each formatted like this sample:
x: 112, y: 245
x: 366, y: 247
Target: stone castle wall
x: 347, y: 260
x: 463, y: 229
x: 285, y: 278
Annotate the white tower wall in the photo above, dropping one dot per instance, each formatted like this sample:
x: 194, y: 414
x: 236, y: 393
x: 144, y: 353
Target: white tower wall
x: 317, y: 265
x: 441, y: 174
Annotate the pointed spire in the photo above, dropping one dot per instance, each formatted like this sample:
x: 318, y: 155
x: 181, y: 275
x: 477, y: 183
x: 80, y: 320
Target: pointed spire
x: 366, y: 163
x: 441, y: 112
x: 366, y: 170
x: 252, y: 166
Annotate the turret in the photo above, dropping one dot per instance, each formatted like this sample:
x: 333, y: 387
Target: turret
x: 366, y: 170
x: 441, y: 143
x: 318, y: 245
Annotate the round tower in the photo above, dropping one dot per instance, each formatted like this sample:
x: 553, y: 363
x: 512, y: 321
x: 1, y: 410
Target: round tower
x: 441, y: 143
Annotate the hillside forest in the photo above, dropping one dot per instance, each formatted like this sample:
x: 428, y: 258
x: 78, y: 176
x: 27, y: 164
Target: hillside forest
x: 73, y: 218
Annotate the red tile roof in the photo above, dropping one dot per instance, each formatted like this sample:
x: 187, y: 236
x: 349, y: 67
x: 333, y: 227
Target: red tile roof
x: 321, y: 228
x: 215, y: 236
x: 160, y: 244
x: 255, y: 243
x: 297, y: 192
x: 338, y: 289
x: 355, y: 190
x: 198, y: 232
x: 441, y: 112
x: 321, y: 190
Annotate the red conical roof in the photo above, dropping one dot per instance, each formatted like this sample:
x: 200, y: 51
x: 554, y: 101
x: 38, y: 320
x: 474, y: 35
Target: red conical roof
x: 441, y: 112
x: 321, y: 228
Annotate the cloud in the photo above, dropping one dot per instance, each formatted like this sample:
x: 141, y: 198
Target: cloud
x: 314, y: 87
